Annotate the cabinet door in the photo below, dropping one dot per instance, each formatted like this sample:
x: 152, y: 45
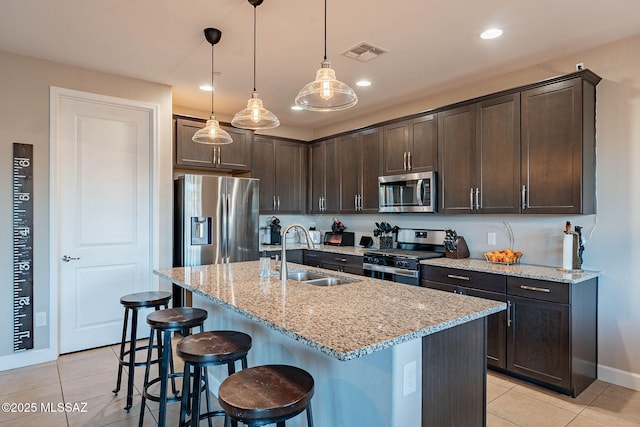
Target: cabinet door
x: 394, y: 151
x: 264, y: 169
x: 189, y: 153
x: 350, y: 160
x: 457, y: 159
x: 312, y: 258
x: 538, y: 340
x: 237, y: 155
x: 371, y: 169
x: 498, y: 155
x: 552, y: 148
x: 423, y: 147
x: 317, y: 162
x: 496, y: 329
x: 290, y: 177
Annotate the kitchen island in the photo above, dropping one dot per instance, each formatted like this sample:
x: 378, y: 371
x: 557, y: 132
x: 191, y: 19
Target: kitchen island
x: 382, y: 354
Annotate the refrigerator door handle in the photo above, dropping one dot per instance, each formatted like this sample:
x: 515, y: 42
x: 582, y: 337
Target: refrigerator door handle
x: 228, y: 213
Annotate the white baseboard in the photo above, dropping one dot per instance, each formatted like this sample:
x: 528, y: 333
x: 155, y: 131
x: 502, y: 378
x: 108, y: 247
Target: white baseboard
x: 26, y: 358
x: 618, y: 377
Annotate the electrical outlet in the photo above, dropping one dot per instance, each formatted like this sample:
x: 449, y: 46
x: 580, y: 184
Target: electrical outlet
x: 41, y: 318
x: 410, y: 380
x: 580, y: 66
x: 491, y: 239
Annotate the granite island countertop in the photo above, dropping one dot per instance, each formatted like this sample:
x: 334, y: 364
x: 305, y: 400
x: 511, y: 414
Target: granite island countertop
x: 345, y: 321
x: 517, y: 270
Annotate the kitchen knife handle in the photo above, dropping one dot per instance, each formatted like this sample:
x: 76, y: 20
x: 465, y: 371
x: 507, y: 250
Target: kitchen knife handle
x: 524, y: 203
x: 508, y: 314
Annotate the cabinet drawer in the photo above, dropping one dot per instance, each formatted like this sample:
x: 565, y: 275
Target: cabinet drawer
x: 466, y: 278
x: 538, y: 289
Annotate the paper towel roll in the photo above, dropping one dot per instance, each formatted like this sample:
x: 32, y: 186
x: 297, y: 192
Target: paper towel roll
x: 567, y: 252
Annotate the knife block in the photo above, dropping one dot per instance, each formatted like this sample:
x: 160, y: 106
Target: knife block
x: 461, y: 250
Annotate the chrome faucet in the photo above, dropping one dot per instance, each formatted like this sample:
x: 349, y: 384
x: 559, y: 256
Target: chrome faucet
x: 283, y: 240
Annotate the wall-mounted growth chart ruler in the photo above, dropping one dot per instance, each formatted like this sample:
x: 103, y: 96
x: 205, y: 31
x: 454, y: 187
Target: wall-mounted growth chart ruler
x: 22, y: 247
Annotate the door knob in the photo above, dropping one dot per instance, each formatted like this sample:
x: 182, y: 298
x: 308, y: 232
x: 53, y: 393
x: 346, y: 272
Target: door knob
x: 68, y: 258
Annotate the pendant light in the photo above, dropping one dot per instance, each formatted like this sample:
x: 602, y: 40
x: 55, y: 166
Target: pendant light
x: 255, y: 116
x: 212, y: 133
x: 326, y: 93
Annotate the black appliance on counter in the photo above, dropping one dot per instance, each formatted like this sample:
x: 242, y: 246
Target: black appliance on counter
x: 345, y: 238
x: 402, y: 264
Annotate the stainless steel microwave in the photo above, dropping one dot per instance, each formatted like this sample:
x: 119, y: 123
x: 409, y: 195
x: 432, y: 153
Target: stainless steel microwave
x: 411, y: 192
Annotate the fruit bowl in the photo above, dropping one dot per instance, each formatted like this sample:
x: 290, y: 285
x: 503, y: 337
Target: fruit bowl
x: 503, y: 257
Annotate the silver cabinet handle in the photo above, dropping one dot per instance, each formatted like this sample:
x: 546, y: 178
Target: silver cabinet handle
x: 404, y: 162
x: 278, y: 204
x: 533, y: 288
x: 355, y: 202
x: 454, y: 276
x: 324, y: 203
x: 341, y: 259
x: 508, y: 314
x: 274, y: 203
x: 409, y: 165
x: 471, y: 199
x: 477, y: 198
x: 320, y: 204
x: 68, y: 258
x: 524, y: 203
x: 361, y: 203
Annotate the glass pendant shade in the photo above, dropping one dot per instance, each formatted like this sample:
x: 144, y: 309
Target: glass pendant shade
x: 212, y: 133
x: 326, y: 93
x: 255, y: 116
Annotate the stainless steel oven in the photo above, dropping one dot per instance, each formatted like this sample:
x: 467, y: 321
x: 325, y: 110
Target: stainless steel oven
x: 411, y: 192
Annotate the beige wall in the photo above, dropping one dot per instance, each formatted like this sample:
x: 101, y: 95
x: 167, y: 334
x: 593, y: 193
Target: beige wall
x: 24, y: 118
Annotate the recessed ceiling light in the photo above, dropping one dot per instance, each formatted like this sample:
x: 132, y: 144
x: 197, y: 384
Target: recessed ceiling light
x: 206, y: 88
x: 363, y: 83
x: 296, y: 107
x: 491, y: 33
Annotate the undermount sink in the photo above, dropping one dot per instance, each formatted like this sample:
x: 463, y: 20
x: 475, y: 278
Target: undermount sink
x: 317, y: 279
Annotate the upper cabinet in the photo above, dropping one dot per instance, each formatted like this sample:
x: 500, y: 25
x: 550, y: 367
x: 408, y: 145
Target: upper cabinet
x: 234, y: 157
x: 558, y: 148
x: 324, y: 183
x: 359, y: 166
x: 479, y: 147
x: 410, y: 146
x: 528, y: 150
x: 281, y: 167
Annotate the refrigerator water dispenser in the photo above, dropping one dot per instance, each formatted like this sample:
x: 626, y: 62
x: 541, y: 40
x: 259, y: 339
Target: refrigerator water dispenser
x: 200, y: 230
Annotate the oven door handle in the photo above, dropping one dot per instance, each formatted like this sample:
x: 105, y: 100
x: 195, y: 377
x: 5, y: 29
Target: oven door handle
x: 392, y: 270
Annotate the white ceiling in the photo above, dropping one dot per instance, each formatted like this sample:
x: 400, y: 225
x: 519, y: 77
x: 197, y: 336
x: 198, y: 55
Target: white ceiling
x: 432, y: 44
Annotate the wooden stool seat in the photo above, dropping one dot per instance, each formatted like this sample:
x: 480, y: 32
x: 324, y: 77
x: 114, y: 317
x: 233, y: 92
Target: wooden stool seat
x: 134, y: 302
x: 267, y: 394
x: 177, y: 319
x: 200, y: 351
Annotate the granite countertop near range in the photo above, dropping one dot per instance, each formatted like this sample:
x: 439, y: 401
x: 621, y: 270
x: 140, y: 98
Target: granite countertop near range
x: 345, y: 250
x: 345, y: 321
x: 517, y: 270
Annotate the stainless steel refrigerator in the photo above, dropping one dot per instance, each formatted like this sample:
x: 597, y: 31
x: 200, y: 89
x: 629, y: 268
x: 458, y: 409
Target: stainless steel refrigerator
x: 215, y: 221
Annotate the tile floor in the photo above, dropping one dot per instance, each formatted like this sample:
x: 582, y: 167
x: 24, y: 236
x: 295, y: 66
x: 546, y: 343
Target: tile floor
x: 89, y: 376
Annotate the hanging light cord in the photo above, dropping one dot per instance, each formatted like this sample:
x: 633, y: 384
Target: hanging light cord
x: 213, y: 89
x: 325, y: 30
x: 254, y: 48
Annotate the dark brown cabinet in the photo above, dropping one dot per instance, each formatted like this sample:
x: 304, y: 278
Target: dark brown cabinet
x: 359, y: 166
x: 558, y: 147
x: 481, y: 285
x: 324, y: 185
x: 548, y: 334
x: 281, y: 167
x: 234, y: 157
x: 334, y: 261
x: 480, y: 157
x: 410, y: 146
x: 293, y: 255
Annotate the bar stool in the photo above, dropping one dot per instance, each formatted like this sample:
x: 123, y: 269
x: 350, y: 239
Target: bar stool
x: 267, y: 394
x: 134, y: 302
x: 208, y: 349
x: 180, y: 319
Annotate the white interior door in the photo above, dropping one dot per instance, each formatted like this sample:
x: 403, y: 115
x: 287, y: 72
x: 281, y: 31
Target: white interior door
x: 104, y: 216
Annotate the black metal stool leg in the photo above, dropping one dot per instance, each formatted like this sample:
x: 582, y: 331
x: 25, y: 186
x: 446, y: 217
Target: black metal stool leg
x: 185, y: 394
x: 146, y: 378
x: 166, y: 360
x: 132, y: 358
x: 206, y: 393
x: 309, y: 416
x: 122, y: 345
x: 195, y: 399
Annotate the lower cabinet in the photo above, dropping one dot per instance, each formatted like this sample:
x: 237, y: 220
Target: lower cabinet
x: 334, y: 261
x: 293, y: 255
x: 547, y: 335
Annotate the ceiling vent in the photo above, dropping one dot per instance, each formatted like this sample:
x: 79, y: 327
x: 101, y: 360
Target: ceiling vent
x: 364, y: 52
